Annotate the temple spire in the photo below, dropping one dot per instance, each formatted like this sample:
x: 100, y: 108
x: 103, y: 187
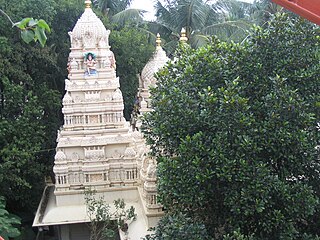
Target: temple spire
x: 183, y: 37
x: 158, y: 41
x: 88, y: 3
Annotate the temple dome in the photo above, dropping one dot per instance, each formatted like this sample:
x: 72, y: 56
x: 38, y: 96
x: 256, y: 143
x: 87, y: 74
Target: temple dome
x: 158, y: 60
x: 89, y: 30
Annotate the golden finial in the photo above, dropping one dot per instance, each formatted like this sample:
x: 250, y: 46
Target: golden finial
x: 158, y: 41
x: 88, y: 3
x: 183, y: 37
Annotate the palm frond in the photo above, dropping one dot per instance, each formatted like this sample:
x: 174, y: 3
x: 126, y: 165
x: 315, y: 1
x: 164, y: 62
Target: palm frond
x: 170, y: 47
x: 156, y: 27
x: 151, y: 35
x: 111, y: 7
x: 165, y: 15
x: 192, y: 14
x: 231, y: 30
x: 198, y: 40
x: 128, y: 15
x: 232, y: 9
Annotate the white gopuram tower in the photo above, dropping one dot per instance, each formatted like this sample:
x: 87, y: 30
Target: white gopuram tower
x: 96, y: 147
x: 147, y: 78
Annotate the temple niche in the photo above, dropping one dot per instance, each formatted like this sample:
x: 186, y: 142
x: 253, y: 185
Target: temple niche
x: 96, y: 147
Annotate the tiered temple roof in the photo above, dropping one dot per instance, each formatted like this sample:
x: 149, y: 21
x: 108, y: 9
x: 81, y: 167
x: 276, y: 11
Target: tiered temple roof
x: 96, y: 147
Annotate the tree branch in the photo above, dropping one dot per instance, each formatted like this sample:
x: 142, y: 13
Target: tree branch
x: 12, y: 23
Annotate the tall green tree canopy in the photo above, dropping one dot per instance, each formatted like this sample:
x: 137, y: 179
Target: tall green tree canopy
x: 234, y: 133
x: 29, y: 101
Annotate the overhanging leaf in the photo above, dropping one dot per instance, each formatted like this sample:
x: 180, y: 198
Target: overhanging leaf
x: 32, y: 22
x: 23, y: 23
x: 40, y: 35
x: 27, y: 35
x: 44, y: 25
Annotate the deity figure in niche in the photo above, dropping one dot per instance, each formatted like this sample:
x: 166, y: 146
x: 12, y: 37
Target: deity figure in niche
x: 90, y: 62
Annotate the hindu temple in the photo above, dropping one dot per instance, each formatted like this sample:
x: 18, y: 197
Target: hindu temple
x: 96, y: 147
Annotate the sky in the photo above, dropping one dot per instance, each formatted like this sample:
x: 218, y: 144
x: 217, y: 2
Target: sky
x: 147, y: 5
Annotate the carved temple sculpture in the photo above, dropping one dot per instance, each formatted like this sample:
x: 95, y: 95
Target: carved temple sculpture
x: 96, y: 147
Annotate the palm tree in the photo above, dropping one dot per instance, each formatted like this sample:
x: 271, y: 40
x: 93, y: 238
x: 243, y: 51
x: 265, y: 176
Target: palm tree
x: 193, y: 15
x: 228, y: 19
x: 264, y: 9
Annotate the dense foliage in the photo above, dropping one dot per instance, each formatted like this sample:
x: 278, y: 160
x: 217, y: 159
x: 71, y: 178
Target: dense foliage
x: 234, y: 133
x: 28, y: 108
x: 8, y: 222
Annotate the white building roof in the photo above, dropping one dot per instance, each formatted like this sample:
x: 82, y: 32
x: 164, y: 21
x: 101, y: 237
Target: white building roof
x: 49, y: 213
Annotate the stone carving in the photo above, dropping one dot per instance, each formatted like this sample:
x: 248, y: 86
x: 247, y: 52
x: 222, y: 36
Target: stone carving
x: 116, y: 154
x: 102, y: 43
x: 152, y: 170
x: 67, y: 142
x: 112, y: 60
x: 77, y: 99
x: 106, y: 63
x: 92, y: 95
x: 90, y: 29
x: 96, y: 177
x: 88, y: 40
x: 93, y: 119
x: 74, y: 65
x: 67, y: 83
x: 130, y: 152
x: 94, y: 153
x: 72, y: 85
x: 60, y: 156
x: 93, y: 140
x: 67, y: 98
x: 75, y: 157
x: 69, y: 66
x: 117, y: 95
x: 75, y: 42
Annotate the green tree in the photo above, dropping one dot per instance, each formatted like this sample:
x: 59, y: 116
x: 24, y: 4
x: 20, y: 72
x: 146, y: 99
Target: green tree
x: 178, y: 226
x: 105, y: 223
x: 234, y: 133
x: 28, y: 110
x: 8, y: 222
